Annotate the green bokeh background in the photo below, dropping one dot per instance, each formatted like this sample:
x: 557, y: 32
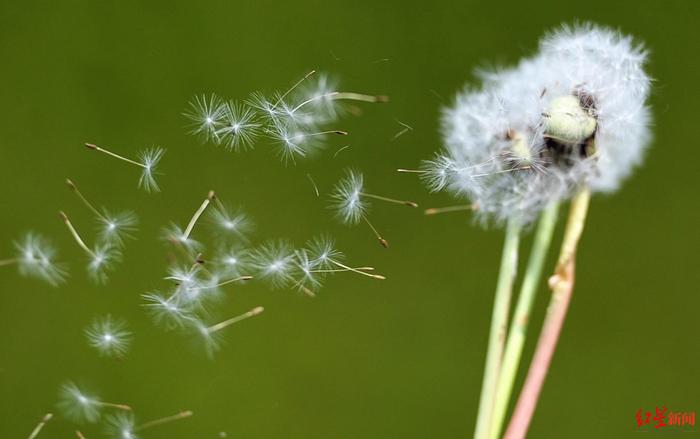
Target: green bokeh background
x: 365, y: 359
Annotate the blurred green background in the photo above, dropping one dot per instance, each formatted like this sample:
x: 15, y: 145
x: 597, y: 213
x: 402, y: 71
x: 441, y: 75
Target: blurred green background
x: 365, y: 359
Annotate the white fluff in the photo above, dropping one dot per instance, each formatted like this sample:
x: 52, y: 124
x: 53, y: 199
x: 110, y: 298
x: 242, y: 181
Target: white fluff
x: 573, y: 114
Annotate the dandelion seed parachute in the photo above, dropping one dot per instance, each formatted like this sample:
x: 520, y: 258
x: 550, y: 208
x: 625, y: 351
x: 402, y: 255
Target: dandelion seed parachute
x: 109, y: 336
x: 114, y: 229
x: 273, y: 262
x: 78, y: 406
x: 346, y: 198
x: 36, y: 258
x: 150, y: 159
x: 103, y: 257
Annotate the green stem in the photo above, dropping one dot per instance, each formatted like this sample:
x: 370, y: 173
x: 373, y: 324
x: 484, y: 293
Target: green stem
x: 499, y: 321
x: 9, y: 261
x: 521, y: 316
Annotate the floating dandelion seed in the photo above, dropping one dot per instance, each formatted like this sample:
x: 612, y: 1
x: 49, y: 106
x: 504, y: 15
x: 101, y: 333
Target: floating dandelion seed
x: 109, y: 336
x: 123, y: 425
x: 239, y: 128
x: 80, y: 407
x: 233, y: 261
x: 207, y: 115
x: 348, y: 201
x: 294, y: 120
x: 273, y: 262
x: 229, y: 223
x: 167, y: 311
x: 210, y: 334
x: 35, y: 258
x: 147, y: 160
x: 182, y: 238
x: 113, y: 229
x: 101, y: 258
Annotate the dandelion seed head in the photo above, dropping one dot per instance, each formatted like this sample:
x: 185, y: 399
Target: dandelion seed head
x: 346, y: 198
x: 573, y: 114
x: 322, y: 252
x: 113, y: 229
x: 207, y: 114
x: 304, y: 273
x: 102, y: 260
x: 120, y: 426
x: 109, y: 336
x: 273, y: 262
x: 78, y: 406
x: 166, y: 311
x: 230, y: 223
x: 238, y: 127
x: 150, y: 159
x: 36, y: 258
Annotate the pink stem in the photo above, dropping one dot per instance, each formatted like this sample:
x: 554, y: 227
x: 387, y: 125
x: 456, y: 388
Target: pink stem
x: 562, y: 287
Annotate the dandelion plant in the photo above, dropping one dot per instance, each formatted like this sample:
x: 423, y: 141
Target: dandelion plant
x: 569, y: 121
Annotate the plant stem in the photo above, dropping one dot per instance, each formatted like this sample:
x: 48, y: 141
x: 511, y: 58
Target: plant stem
x: 562, y: 285
x: 390, y: 200
x: 40, y: 425
x: 521, y: 316
x: 197, y: 214
x: 219, y: 326
x: 355, y: 270
x: 85, y: 200
x: 114, y: 406
x: 116, y: 156
x: 77, y: 237
x: 9, y: 261
x: 499, y: 321
x: 175, y: 417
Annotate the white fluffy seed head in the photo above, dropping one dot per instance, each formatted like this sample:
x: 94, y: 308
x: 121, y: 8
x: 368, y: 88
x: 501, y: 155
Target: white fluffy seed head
x: 573, y: 114
x: 109, y: 336
x: 120, y: 426
x: 231, y: 224
x: 167, y: 311
x: 273, y: 262
x: 150, y: 159
x: 346, y: 198
x: 36, y: 258
x: 101, y: 262
x: 113, y: 229
x: 77, y: 405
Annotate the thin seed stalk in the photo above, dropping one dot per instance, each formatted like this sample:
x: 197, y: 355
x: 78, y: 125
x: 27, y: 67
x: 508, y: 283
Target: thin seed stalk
x: 219, y: 326
x: 562, y: 285
x: 354, y: 270
x: 116, y: 156
x: 390, y: 200
x: 9, y: 261
x: 47, y: 417
x: 499, y: 321
x: 155, y: 422
x: 519, y: 323
x: 114, y: 406
x: 77, y: 237
x: 85, y: 201
x: 197, y: 214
